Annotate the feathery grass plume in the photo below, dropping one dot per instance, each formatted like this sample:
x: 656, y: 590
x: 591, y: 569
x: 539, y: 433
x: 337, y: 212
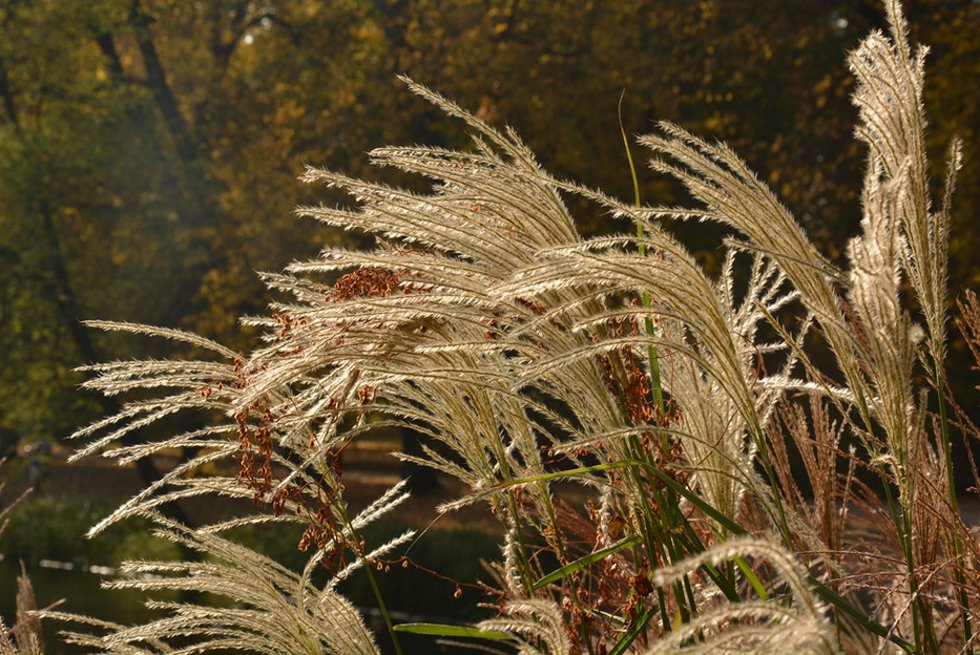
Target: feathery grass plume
x: 205, y: 386
x: 24, y: 636
x: 472, y: 331
x: 797, y: 625
x: 538, y: 625
x: 292, y: 476
x: 872, y: 336
x: 909, y: 237
x: 884, y: 329
x: 706, y: 339
x: 900, y: 233
x: 481, y: 319
x: 889, y: 96
x: 272, y: 609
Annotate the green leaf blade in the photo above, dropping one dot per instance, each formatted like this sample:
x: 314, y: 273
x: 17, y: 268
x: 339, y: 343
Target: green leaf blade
x: 449, y: 630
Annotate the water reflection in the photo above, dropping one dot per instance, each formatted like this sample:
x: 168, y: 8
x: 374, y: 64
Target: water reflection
x: 80, y: 590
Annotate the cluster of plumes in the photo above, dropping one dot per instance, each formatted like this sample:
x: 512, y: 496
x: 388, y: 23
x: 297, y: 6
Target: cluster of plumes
x: 273, y: 610
x: 526, y: 356
x: 240, y: 457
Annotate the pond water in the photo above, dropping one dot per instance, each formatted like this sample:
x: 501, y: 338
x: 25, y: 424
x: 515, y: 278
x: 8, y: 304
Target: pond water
x: 80, y: 591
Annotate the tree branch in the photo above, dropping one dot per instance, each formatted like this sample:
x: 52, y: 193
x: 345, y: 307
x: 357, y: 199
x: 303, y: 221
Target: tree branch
x: 7, y: 97
x: 180, y: 130
x: 108, y: 47
x: 224, y: 52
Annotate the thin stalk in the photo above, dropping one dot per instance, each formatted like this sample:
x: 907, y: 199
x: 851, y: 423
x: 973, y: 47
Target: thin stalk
x: 372, y: 580
x: 900, y: 518
x: 653, y: 355
x: 384, y: 609
x: 953, y: 500
x: 656, y: 385
x: 559, y: 546
x: 924, y: 631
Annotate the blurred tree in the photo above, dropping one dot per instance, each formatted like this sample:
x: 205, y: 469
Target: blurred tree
x: 149, y: 148
x: 53, y: 207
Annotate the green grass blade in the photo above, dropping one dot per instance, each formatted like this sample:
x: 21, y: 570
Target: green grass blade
x: 629, y: 155
x: 753, y: 579
x: 567, y: 473
x: 582, y: 562
x: 656, y: 387
x: 448, y: 630
x: 630, y: 635
x: 857, y: 614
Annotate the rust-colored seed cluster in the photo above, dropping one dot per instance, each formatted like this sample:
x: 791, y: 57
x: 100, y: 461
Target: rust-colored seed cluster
x: 256, y: 472
x: 366, y: 394
x: 369, y: 281
x: 256, y: 448
x: 626, y: 379
x: 623, y: 375
x: 287, y: 322
x: 532, y: 305
x: 256, y: 425
x: 636, y: 389
x: 322, y: 529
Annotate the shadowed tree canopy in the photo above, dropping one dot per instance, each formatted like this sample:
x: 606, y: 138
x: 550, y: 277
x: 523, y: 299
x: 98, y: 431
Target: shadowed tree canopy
x: 149, y: 149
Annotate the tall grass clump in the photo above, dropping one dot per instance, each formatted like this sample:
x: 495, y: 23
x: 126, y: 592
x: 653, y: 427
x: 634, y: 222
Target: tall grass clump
x: 766, y: 453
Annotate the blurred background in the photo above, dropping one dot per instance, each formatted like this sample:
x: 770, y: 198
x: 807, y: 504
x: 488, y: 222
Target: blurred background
x: 149, y: 149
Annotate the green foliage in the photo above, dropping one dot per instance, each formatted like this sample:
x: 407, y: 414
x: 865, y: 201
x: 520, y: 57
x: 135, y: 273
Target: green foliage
x: 52, y: 527
x: 278, y: 543
x: 164, y: 137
